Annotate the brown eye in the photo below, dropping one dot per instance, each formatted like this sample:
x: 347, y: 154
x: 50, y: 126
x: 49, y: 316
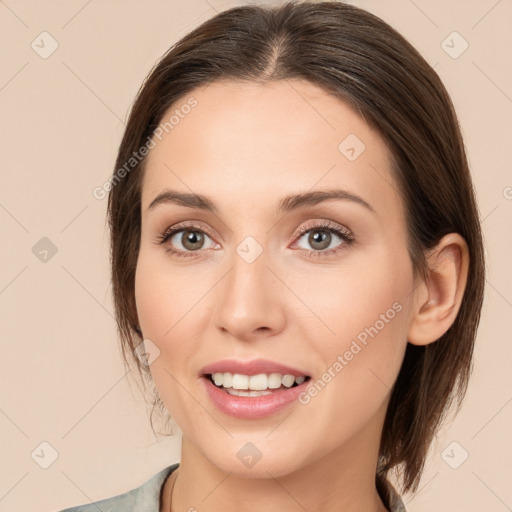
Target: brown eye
x: 319, y: 239
x: 192, y: 240
x: 185, y: 240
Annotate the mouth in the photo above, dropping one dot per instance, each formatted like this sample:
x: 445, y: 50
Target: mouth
x: 262, y: 384
x: 253, y: 389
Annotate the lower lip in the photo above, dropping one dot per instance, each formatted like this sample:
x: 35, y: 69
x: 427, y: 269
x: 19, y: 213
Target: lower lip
x: 252, y: 407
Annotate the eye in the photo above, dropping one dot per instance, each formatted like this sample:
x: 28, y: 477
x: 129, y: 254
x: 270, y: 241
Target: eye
x: 320, y: 238
x: 184, y: 240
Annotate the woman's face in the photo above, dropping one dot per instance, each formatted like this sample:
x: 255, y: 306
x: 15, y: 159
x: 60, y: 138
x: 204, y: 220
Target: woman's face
x: 321, y: 286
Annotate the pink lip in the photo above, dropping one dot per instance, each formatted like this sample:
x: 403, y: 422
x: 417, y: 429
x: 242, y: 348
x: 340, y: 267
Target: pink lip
x: 253, y: 367
x: 252, y: 407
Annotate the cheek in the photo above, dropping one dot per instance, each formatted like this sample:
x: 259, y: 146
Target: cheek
x: 368, y: 290
x: 163, y: 298
x: 364, y: 312
x: 165, y: 294
x: 160, y: 305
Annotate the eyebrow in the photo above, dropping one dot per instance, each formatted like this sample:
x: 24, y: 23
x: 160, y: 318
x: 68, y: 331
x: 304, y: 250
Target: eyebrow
x: 285, y: 205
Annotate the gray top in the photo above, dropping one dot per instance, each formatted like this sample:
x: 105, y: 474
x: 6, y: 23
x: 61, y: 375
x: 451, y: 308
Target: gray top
x: 146, y: 497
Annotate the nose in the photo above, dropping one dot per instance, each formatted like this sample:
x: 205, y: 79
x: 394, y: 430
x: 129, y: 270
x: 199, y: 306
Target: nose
x: 249, y: 300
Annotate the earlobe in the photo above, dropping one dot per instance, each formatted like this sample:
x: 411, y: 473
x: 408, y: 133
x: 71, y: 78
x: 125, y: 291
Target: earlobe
x: 438, y: 298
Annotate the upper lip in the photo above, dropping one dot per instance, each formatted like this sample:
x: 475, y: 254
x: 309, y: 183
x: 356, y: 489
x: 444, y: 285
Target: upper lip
x: 253, y: 367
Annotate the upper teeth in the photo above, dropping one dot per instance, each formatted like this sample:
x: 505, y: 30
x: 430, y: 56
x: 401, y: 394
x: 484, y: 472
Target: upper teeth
x: 255, y: 382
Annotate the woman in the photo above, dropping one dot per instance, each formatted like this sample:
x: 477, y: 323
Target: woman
x: 297, y: 260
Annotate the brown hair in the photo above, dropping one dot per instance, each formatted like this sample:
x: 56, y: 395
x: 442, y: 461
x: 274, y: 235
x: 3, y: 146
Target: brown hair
x: 357, y: 56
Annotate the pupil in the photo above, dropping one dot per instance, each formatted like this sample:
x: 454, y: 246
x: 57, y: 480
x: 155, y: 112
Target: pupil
x: 318, y: 237
x: 192, y: 238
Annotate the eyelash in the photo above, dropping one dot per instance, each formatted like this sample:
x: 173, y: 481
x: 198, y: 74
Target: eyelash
x: 344, y: 234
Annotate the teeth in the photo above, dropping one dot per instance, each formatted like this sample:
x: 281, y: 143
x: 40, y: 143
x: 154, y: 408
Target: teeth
x: 258, y: 382
x: 288, y: 380
x: 274, y: 380
x: 239, y: 381
x: 226, y: 380
x: 237, y: 392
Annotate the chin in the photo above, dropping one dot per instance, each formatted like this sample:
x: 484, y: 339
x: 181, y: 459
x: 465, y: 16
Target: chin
x: 254, y: 459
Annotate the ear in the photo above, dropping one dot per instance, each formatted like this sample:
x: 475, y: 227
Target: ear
x: 437, y: 299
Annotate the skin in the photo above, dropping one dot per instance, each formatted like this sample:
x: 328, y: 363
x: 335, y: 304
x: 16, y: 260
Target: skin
x: 246, y: 146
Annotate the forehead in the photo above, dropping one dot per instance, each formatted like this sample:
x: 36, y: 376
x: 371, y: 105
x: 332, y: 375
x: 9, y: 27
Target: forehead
x: 257, y: 143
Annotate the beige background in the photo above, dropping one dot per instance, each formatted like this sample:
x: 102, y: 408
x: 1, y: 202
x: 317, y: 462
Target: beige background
x: 63, y: 382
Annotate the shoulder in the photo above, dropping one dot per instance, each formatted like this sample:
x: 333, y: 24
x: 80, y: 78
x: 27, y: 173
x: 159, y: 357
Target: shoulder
x: 145, y: 497
x: 395, y: 501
